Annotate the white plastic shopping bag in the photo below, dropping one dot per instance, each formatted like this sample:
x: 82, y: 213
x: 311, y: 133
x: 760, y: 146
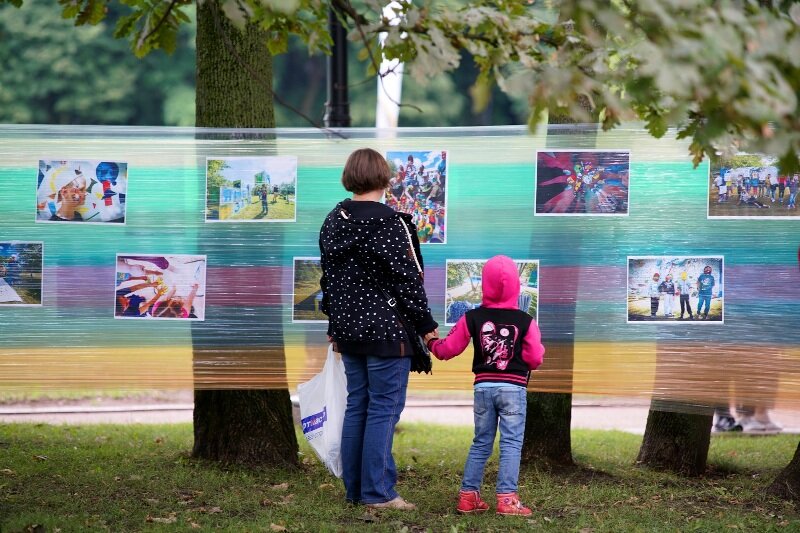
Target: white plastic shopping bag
x: 322, y: 403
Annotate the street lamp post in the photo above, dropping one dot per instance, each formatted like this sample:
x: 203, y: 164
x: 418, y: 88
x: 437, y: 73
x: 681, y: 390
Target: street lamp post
x: 337, y: 108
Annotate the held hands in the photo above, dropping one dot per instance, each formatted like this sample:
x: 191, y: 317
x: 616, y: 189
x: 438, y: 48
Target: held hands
x: 431, y: 335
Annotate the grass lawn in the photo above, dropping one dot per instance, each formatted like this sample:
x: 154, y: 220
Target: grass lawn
x: 140, y: 478
x: 280, y: 210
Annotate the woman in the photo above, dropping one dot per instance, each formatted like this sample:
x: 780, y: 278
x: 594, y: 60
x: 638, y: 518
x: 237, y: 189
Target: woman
x: 363, y: 242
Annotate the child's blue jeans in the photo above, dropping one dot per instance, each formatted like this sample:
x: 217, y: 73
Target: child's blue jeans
x: 506, y: 405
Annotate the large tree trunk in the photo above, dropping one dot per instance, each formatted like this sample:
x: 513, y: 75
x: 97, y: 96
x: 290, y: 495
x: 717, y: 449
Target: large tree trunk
x: 674, y: 440
x: 234, y: 81
x: 547, y: 426
x: 787, y: 484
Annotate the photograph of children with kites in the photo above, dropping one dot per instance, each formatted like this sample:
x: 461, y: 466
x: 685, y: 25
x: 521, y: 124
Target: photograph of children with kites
x: 81, y: 191
x: 161, y: 287
x: 586, y: 182
x: 464, y: 290
x: 674, y: 288
x: 251, y: 189
x: 750, y: 186
x: 307, y: 292
x: 21, y: 273
x: 419, y: 187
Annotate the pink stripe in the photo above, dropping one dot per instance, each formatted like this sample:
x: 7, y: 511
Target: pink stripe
x: 508, y: 377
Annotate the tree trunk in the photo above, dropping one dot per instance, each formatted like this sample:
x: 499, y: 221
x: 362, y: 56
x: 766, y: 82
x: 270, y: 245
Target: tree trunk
x: 234, y: 90
x: 547, y: 426
x: 675, y: 441
x: 787, y: 484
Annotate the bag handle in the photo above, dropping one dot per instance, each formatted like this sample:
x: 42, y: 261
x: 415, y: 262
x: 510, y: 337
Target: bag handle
x: 411, y: 246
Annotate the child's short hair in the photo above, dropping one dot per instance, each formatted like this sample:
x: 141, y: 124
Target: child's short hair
x: 366, y: 170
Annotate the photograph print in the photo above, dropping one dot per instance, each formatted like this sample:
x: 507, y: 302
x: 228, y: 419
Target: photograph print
x: 160, y: 287
x: 582, y: 182
x: 750, y: 186
x: 81, y: 191
x: 307, y: 293
x: 251, y: 189
x: 675, y: 288
x: 464, y: 290
x: 21, y: 273
x: 418, y: 186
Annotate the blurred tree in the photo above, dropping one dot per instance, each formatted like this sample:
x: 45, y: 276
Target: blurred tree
x: 54, y: 73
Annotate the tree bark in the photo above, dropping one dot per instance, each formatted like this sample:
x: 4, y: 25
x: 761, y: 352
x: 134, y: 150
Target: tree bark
x: 549, y: 418
x: 787, y: 484
x: 675, y: 441
x: 234, y: 90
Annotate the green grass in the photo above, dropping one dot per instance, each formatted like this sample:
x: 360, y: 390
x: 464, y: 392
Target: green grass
x: 11, y: 396
x: 140, y: 478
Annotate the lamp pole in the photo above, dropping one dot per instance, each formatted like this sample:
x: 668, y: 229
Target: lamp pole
x: 337, y: 108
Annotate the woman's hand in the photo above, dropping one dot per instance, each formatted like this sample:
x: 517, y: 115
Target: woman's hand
x: 431, y: 335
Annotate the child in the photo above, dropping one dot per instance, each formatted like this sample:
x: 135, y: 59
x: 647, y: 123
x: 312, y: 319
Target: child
x: 654, y: 291
x: 685, y: 290
x: 507, y: 346
x: 668, y: 288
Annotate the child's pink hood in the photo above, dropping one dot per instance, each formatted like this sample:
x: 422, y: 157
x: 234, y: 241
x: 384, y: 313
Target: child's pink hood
x: 500, y: 280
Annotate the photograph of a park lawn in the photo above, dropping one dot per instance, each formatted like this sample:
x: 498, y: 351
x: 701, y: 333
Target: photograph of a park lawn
x: 251, y: 189
x: 307, y: 294
x: 464, y: 288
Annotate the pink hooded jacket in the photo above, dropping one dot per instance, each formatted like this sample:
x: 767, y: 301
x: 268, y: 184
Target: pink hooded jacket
x: 501, y: 290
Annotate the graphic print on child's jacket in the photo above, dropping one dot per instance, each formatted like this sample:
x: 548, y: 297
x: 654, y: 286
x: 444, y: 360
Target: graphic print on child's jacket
x: 497, y: 343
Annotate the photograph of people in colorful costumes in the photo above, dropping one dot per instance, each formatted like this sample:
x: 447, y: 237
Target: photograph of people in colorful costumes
x: 251, y: 189
x: 751, y: 186
x: 418, y: 187
x: 660, y: 286
x: 160, y: 287
x: 81, y: 191
x: 585, y: 182
x: 464, y: 290
x: 21, y: 273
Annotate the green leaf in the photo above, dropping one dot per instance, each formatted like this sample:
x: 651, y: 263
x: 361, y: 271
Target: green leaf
x: 656, y: 125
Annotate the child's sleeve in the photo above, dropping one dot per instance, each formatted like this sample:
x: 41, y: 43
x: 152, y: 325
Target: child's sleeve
x: 532, y: 349
x: 452, y: 345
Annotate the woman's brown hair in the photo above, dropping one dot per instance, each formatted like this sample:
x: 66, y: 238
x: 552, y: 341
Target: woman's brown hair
x: 366, y: 170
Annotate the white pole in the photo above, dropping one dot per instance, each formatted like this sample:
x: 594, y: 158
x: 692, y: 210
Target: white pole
x: 390, y: 80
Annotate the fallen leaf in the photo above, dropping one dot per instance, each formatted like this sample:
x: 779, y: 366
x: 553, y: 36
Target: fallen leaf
x: 214, y: 510
x: 159, y: 440
x: 8, y: 472
x: 171, y: 519
x: 40, y: 457
x: 265, y: 502
x: 326, y: 486
x: 276, y: 527
x: 280, y: 486
x: 195, y: 525
x: 117, y: 478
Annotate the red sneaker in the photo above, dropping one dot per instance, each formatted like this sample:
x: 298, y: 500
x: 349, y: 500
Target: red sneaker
x: 469, y: 501
x: 509, y: 504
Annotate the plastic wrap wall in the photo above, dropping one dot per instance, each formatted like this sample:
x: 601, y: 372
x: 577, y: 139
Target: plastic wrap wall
x: 632, y: 206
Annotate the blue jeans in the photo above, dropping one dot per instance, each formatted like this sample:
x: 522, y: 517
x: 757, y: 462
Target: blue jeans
x: 701, y: 298
x: 376, y: 395
x: 506, y: 404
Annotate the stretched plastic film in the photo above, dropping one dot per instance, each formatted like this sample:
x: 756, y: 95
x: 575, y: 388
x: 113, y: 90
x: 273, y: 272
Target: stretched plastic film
x: 179, y: 258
